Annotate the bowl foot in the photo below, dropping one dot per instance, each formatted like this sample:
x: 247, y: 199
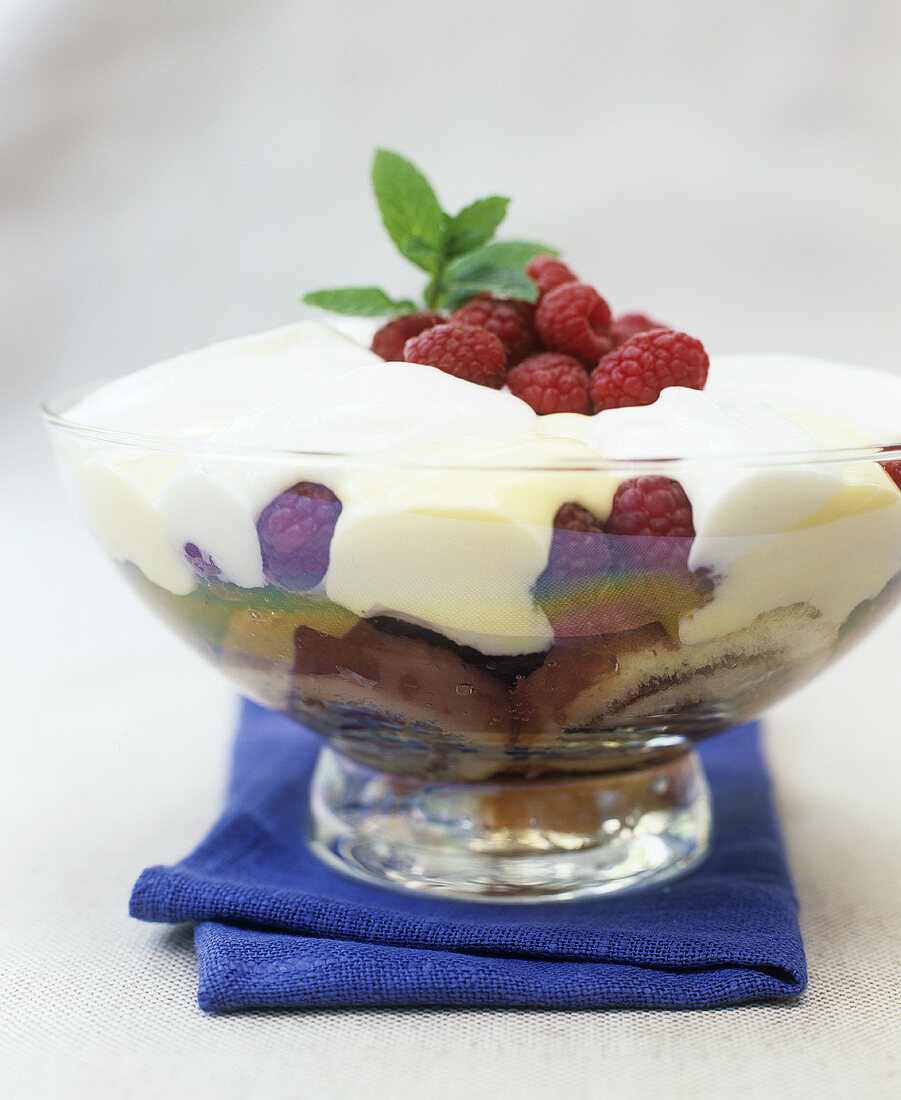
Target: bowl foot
x: 516, y: 841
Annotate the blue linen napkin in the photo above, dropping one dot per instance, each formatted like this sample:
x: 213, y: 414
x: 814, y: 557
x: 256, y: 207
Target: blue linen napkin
x: 278, y: 928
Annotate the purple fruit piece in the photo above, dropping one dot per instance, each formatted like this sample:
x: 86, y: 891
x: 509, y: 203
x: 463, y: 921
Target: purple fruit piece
x: 654, y: 553
x: 579, y: 550
x: 578, y: 547
x: 295, y: 531
x: 202, y: 564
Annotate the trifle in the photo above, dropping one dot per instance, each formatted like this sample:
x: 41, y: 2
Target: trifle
x: 510, y: 558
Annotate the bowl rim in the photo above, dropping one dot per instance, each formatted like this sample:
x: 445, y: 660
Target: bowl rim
x: 52, y: 412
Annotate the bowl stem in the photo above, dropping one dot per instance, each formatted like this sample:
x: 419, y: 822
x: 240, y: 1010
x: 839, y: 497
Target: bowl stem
x: 516, y: 841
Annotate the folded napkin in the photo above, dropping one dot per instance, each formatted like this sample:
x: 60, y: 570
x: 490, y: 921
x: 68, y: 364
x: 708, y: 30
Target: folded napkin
x: 278, y: 928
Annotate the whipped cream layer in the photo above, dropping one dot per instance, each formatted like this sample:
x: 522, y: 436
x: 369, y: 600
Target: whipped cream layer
x: 449, y: 500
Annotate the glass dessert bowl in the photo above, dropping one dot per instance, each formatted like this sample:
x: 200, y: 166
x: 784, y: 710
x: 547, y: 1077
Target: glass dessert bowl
x: 509, y: 641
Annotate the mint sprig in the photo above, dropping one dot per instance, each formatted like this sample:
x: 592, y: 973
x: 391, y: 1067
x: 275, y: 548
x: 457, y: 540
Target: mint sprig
x: 475, y: 225
x: 409, y: 208
x: 359, y: 301
x: 456, y: 251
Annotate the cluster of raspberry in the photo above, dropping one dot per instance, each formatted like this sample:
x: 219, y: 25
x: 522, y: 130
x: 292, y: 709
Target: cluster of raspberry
x: 566, y: 353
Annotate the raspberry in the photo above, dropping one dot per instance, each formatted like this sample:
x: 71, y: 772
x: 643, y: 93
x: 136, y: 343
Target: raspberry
x: 203, y: 565
x: 574, y: 591
x: 551, y: 383
x: 295, y: 531
x: 578, y: 546
x: 461, y: 350
x: 573, y: 318
x: 506, y: 318
x: 655, y: 514
x: 646, y: 363
x: 390, y: 339
x: 650, y: 505
x: 893, y: 469
x: 628, y: 324
x: 548, y: 272
x: 579, y: 551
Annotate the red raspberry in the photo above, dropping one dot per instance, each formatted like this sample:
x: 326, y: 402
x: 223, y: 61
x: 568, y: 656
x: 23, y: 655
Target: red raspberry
x: 579, y: 550
x: 390, y: 339
x: 572, y: 588
x: 628, y: 324
x: 551, y: 383
x: 578, y: 546
x: 506, y: 318
x: 461, y: 350
x: 655, y: 509
x: 295, y: 532
x: 893, y: 469
x: 573, y: 318
x: 548, y: 272
x: 635, y: 373
x: 650, y: 505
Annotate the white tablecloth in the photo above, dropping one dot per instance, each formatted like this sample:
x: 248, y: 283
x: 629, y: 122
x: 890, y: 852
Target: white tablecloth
x: 177, y: 173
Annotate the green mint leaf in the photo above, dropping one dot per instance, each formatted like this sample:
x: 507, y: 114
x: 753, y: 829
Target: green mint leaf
x: 457, y: 253
x: 409, y: 208
x: 498, y: 254
x: 474, y: 225
x: 358, y: 301
x: 504, y: 281
x: 423, y: 255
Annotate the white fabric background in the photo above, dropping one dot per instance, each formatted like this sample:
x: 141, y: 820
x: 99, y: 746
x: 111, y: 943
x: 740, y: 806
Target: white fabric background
x: 176, y: 173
